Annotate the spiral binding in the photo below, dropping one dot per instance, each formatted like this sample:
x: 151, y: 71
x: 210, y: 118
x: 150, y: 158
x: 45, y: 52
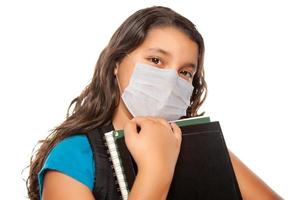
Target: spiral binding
x: 116, y: 164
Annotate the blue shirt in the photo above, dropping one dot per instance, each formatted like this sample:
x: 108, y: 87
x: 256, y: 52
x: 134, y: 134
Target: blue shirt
x: 72, y: 156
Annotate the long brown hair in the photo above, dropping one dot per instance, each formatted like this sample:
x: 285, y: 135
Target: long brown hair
x: 96, y: 104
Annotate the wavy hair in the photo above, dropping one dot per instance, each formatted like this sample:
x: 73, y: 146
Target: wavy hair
x: 95, y: 106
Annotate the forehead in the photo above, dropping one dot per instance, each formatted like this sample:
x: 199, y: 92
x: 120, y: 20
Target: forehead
x: 173, y: 41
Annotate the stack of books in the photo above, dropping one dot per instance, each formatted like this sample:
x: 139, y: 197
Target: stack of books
x: 203, y: 169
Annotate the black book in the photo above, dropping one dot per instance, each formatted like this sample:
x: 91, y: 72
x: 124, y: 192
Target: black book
x: 203, y: 169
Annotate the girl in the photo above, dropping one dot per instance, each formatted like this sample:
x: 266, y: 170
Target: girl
x: 151, y: 72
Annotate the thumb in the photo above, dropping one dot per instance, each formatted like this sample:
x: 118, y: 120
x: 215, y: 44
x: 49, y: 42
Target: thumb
x: 177, y: 132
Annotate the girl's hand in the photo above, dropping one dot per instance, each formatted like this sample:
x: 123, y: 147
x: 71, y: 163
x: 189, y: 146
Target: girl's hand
x: 155, y: 149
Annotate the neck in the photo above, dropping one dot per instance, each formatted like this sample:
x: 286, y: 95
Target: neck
x: 121, y: 116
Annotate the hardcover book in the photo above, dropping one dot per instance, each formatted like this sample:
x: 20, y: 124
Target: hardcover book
x: 203, y: 169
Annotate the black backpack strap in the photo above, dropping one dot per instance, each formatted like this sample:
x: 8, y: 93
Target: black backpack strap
x: 104, y: 183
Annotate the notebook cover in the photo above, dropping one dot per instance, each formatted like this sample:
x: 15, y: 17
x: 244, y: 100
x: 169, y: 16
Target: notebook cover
x: 180, y: 122
x: 203, y: 169
x: 128, y: 163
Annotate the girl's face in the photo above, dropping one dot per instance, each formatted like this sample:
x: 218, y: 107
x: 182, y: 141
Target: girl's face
x: 166, y: 48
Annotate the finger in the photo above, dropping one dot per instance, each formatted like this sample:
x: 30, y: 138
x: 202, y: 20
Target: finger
x: 130, y: 130
x: 177, y: 131
x: 144, y: 121
x: 165, y: 123
x: 152, y: 119
x: 162, y: 121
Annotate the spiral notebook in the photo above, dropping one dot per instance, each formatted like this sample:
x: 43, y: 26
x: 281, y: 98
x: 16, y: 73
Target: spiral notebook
x: 203, y: 169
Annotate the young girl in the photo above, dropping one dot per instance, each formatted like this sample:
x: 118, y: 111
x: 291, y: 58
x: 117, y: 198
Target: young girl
x: 151, y: 72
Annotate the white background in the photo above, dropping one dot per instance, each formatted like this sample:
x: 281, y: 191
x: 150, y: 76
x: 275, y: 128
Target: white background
x: 48, y: 50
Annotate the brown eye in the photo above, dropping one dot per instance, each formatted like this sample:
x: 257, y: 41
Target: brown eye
x: 155, y: 60
x: 186, y: 74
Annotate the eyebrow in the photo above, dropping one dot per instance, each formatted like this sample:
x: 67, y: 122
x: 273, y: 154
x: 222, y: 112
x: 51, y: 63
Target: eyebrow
x: 159, y: 50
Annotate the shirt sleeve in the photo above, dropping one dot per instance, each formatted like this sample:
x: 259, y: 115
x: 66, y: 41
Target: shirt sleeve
x: 72, y: 156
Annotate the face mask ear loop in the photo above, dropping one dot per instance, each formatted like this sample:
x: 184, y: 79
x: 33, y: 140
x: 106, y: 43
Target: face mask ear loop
x: 116, y: 73
x: 118, y: 82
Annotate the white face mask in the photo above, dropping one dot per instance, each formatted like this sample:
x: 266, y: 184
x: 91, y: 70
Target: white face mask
x: 157, y: 92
